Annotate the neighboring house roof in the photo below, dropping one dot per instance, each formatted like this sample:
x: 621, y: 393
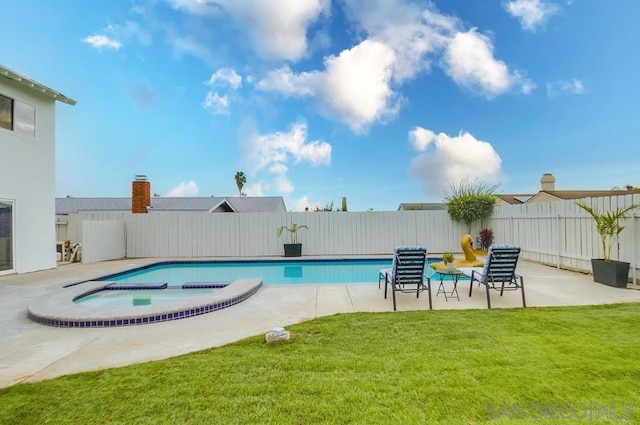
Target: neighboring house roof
x: 421, y: 206
x: 72, y: 205
x: 35, y: 86
x: 557, y: 195
x: 547, y: 193
x: 579, y: 194
x: 66, y: 206
x: 516, y: 199
x: 542, y: 196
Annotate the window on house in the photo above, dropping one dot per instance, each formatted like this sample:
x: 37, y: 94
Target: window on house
x: 17, y: 116
x: 24, y: 119
x: 6, y: 112
x: 6, y: 235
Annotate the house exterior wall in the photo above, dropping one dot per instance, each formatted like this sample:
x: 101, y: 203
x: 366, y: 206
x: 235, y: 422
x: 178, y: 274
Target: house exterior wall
x: 27, y: 178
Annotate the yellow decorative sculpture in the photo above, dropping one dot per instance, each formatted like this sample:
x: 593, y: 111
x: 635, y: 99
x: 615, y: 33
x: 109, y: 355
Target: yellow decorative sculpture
x: 470, y: 259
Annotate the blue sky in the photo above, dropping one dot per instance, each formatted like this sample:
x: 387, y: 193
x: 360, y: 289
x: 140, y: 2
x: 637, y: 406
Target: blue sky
x: 381, y: 101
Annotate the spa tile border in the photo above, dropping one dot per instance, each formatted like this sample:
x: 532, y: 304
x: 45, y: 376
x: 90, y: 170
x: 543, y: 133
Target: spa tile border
x: 60, y: 310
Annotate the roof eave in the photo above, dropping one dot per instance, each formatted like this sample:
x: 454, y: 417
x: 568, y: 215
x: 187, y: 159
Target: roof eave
x: 223, y: 202
x: 35, y: 86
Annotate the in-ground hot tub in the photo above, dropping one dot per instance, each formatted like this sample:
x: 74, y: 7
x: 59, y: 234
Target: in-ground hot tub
x: 61, y: 309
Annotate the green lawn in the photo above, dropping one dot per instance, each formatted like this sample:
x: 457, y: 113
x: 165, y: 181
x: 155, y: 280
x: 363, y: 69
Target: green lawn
x: 473, y: 366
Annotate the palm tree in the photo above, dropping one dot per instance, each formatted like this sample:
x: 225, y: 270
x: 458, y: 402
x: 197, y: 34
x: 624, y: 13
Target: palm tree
x: 241, y: 179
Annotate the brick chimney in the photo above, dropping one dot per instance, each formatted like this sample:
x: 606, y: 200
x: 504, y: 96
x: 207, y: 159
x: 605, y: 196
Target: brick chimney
x: 140, y: 195
x: 548, y: 182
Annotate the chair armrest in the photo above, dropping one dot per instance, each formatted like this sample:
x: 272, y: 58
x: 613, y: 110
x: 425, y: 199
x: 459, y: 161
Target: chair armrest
x: 470, y: 271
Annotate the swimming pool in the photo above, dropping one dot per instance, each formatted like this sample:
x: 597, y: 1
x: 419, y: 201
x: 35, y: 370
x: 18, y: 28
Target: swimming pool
x: 300, y: 272
x: 174, y: 290
x: 170, y: 281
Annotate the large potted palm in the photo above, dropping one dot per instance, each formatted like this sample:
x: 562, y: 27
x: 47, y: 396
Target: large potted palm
x: 293, y: 248
x: 605, y: 270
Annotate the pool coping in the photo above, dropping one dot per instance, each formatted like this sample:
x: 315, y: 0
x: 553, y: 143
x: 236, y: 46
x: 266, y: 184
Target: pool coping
x: 60, y: 310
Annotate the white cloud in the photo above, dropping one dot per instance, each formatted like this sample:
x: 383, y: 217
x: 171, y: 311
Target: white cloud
x: 302, y: 203
x: 527, y: 85
x: 184, y: 189
x: 217, y: 104
x: 421, y: 138
x: 469, y: 61
x: 413, y: 33
x: 254, y: 189
x: 361, y: 85
x: 420, y: 35
x: 189, y: 44
x: 130, y: 30
x: 226, y: 76
x: 102, y: 41
x: 354, y: 87
x: 272, y: 152
x: 284, y: 81
x: 400, y: 40
x: 114, y: 33
x: 531, y: 13
x: 445, y: 159
x: 357, y: 85
x: 198, y: 7
x: 283, y: 184
x: 278, y: 28
x: 573, y: 86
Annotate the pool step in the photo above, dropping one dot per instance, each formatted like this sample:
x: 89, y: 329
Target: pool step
x: 135, y: 286
x: 205, y: 285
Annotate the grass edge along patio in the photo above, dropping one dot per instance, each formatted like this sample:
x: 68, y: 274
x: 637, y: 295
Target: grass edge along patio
x: 472, y: 366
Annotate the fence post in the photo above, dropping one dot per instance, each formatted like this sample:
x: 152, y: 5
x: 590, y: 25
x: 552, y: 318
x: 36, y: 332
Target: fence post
x: 633, y: 247
x: 558, y: 259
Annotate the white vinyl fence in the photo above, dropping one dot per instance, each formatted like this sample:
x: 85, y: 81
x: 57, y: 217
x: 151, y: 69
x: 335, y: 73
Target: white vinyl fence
x: 200, y: 234
x: 103, y: 240
x: 563, y: 235
x: 554, y: 233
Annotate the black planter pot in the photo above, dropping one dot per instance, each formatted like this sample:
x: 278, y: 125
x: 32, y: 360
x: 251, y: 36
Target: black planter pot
x: 612, y: 273
x: 292, y: 249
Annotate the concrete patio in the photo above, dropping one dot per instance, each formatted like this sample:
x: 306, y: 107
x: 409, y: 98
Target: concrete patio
x: 31, y: 352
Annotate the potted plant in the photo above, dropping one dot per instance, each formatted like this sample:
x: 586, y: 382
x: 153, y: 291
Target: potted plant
x: 605, y: 270
x: 447, y: 259
x: 292, y: 249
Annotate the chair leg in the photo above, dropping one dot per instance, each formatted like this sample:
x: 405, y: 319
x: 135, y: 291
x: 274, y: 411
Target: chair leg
x: 429, y: 292
x: 470, y: 286
x: 393, y: 292
x: 524, y: 303
x: 386, y: 281
x: 488, y: 296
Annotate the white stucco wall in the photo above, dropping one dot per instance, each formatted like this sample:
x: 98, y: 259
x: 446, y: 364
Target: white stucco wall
x: 27, y: 176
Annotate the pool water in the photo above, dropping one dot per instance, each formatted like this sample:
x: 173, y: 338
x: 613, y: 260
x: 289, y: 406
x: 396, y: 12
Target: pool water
x: 176, y: 274
x: 271, y: 272
x: 139, y: 297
